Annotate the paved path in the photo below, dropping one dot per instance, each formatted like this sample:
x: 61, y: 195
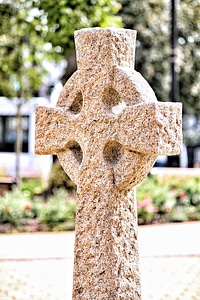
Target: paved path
x: 39, y: 266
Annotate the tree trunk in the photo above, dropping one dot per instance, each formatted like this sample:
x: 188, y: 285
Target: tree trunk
x: 18, y: 141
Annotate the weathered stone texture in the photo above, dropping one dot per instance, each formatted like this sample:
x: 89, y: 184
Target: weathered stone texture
x: 115, y: 47
x: 107, y: 130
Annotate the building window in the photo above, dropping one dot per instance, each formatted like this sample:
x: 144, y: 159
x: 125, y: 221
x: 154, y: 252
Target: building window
x: 8, y: 133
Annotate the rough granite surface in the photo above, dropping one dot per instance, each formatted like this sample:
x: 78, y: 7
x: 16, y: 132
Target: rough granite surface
x: 107, y: 129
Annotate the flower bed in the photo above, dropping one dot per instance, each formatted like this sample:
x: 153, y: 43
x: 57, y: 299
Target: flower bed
x: 168, y: 199
x: 19, y: 213
x: 159, y: 200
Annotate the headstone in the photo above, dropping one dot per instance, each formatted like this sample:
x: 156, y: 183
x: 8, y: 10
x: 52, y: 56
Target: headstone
x: 107, y: 130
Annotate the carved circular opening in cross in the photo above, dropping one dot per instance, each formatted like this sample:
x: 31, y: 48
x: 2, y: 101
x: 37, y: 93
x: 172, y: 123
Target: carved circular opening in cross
x: 112, y: 101
x: 112, y: 152
x: 76, y: 150
x: 77, y: 104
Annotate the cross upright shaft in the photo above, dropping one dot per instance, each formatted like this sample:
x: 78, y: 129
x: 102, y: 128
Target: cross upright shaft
x: 107, y: 130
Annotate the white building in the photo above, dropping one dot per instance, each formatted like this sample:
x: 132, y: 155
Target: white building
x: 31, y: 165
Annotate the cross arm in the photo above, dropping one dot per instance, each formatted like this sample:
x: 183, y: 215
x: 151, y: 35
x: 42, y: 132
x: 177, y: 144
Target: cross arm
x: 52, y: 126
x: 153, y: 127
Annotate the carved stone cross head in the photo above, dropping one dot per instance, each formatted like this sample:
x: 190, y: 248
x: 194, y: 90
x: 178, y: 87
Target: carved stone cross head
x: 107, y: 130
x: 107, y: 116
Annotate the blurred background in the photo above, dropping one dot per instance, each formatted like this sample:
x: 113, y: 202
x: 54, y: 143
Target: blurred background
x: 37, y: 58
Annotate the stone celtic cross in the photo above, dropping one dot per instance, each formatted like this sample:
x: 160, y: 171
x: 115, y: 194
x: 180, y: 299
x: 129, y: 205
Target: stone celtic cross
x: 107, y: 130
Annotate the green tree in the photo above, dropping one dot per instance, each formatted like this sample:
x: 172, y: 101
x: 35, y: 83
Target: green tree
x: 152, y: 21
x: 20, y: 70
x: 56, y: 24
x: 189, y: 55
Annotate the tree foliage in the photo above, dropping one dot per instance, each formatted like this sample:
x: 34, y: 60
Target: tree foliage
x: 152, y: 49
x: 20, y: 70
x: 33, y: 31
x: 56, y: 23
x: 189, y: 54
x: 151, y: 19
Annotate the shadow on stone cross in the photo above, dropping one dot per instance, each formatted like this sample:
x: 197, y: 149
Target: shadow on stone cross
x: 107, y: 129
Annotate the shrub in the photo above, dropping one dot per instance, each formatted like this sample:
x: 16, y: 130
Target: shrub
x: 58, y: 209
x: 58, y: 178
x: 32, y: 186
x: 146, y: 210
x: 15, y: 206
x: 174, y: 199
x: 18, y: 210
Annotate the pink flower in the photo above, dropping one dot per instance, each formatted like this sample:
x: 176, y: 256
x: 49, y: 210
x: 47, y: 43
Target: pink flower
x: 147, y: 201
x: 151, y: 208
x: 27, y: 207
x: 182, y: 196
x: 139, y: 204
x: 167, y: 207
x: 147, y: 204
